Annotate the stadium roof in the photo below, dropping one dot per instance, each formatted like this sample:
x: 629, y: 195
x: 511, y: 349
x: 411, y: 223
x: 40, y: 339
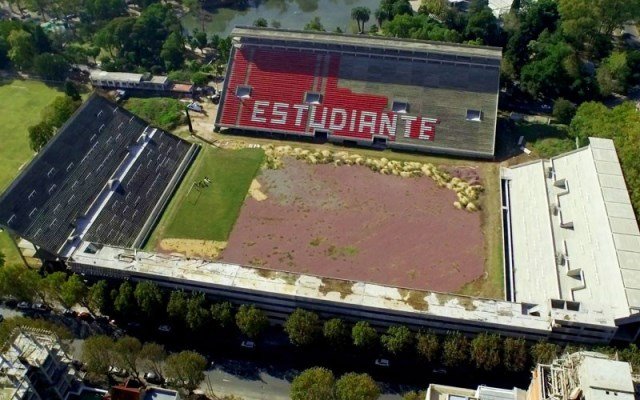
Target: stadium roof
x: 101, y: 176
x: 576, y: 243
x: 406, y: 94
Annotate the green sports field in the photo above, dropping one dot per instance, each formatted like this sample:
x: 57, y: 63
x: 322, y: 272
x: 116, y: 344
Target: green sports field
x: 209, y: 212
x: 21, y: 103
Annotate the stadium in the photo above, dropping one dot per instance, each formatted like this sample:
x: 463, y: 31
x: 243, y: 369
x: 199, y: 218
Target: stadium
x: 423, y: 96
x: 344, y: 233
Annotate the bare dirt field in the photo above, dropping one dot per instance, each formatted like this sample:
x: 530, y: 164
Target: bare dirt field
x: 349, y: 222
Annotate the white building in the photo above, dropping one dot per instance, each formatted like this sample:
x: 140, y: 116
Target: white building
x: 572, y: 244
x: 33, y: 366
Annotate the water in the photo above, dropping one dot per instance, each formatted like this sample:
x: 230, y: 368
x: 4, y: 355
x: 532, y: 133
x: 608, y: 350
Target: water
x: 292, y: 14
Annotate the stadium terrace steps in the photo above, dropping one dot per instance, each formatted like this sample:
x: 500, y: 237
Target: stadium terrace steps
x: 49, y: 202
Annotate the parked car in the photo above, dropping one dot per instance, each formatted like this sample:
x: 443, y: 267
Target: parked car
x: 382, y: 362
x: 164, y: 328
x: 23, y: 305
x: 248, y: 344
x: 68, y: 312
x: 11, y: 303
x: 41, y: 307
x: 152, y: 377
x: 85, y: 316
x: 439, y: 371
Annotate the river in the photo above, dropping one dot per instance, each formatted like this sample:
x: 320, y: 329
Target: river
x: 291, y: 14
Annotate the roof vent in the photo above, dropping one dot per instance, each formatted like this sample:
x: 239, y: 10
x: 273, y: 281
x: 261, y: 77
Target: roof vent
x: 550, y: 172
x: 474, y: 115
x: 560, y: 258
x: 243, y: 92
x: 554, y: 209
x: 313, y: 98
x: 561, y: 183
x: 567, y: 225
x: 400, y: 106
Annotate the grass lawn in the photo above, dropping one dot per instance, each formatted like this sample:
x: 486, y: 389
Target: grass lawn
x: 211, y: 212
x: 546, y: 140
x: 21, y: 103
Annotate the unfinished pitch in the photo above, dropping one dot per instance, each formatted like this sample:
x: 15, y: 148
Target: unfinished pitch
x: 349, y: 222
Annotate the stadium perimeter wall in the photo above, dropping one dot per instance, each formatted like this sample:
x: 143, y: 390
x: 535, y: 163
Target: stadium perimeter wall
x: 278, y: 304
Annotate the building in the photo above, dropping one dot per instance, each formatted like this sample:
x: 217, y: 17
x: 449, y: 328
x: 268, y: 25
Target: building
x: 572, y: 244
x: 582, y: 376
x: 577, y: 376
x: 34, y: 366
x: 385, y: 92
x: 138, y: 82
x: 105, y: 177
x: 442, y: 392
x: 133, y: 390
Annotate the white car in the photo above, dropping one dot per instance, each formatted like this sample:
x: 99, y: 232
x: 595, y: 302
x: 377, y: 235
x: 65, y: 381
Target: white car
x: 248, y: 344
x: 382, y: 362
x: 164, y: 328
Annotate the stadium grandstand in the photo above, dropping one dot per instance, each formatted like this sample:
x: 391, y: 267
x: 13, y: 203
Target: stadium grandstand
x: 104, y: 177
x: 385, y: 92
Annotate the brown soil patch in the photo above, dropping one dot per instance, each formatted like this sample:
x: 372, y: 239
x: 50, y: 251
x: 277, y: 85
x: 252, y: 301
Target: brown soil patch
x: 351, y: 223
x: 207, y: 249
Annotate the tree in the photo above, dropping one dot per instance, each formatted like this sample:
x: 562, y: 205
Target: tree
x: 222, y: 314
x: 50, y: 66
x: 97, y: 296
x: 197, y: 313
x: 173, y: 51
x: 185, y: 369
x: 485, y: 351
x: 261, y: 23
x: 585, y: 20
x: 397, y: 339
x: 50, y: 286
x: 60, y: 110
x: 514, y: 354
x: 201, y: 39
x: 361, y: 16
x: 613, y: 74
x: 438, y: 8
x: 336, y: 332
x: 19, y: 282
x: 73, y: 291
x: 152, y: 357
x: 126, y: 352
x: 428, y: 346
x: 21, y: 48
x: 177, y: 305
x: 544, y: 352
x: 314, y: 25
x: 413, y: 395
x: 71, y: 90
x: 4, y: 52
x: 563, y: 111
x: 200, y: 78
x: 455, y: 350
x: 276, y: 24
x: 149, y: 298
x: 124, y: 303
x: 39, y: 135
x: 42, y: 6
x: 483, y: 25
x: 313, y: 384
x: 364, y: 335
x: 302, y: 326
x: 104, y: 10
x: 352, y: 386
x: 251, y: 321
x: 1, y: 259
x: 97, y: 354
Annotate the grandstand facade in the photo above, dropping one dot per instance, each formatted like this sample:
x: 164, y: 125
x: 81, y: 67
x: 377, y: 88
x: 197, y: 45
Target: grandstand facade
x: 104, y: 177
x: 386, y: 92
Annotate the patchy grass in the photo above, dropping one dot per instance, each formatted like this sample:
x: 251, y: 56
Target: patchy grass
x: 209, y: 213
x: 491, y: 285
x: 163, y: 112
x: 341, y: 252
x: 546, y: 140
x: 20, y: 103
x: 345, y: 288
x: 414, y: 298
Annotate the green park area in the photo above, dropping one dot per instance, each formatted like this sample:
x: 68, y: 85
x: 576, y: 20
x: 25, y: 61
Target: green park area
x: 21, y: 103
x: 208, y: 210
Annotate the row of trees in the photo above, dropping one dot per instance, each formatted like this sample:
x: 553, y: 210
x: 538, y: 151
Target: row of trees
x: 320, y: 384
x: 103, y: 356
x: 53, y: 117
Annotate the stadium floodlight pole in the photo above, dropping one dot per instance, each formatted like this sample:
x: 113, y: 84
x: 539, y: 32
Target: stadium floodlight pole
x: 186, y: 109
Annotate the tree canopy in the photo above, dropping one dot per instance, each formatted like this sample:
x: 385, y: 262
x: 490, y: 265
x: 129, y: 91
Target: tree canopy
x: 313, y: 384
x: 302, y: 326
x: 251, y: 320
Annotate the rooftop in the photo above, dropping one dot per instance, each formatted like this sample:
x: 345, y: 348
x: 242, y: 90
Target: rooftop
x: 363, y: 41
x: 575, y: 238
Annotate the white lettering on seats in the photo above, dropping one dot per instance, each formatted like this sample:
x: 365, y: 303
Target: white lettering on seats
x: 335, y: 126
x: 312, y: 119
x: 388, y: 123
x: 280, y: 110
x: 258, y: 113
x: 409, y: 121
x: 368, y: 120
x: 300, y: 109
